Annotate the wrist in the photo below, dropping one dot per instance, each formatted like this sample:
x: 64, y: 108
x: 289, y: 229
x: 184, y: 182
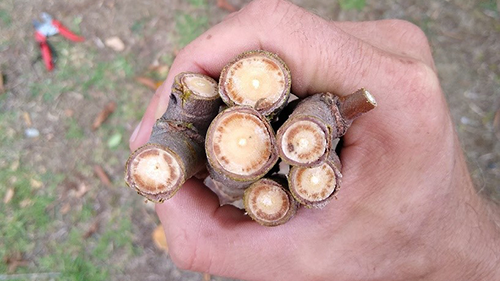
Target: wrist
x: 472, y: 245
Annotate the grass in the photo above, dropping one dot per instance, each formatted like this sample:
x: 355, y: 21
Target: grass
x: 189, y: 27
x: 198, y: 3
x: 31, y: 223
x: 490, y: 5
x: 352, y: 4
x: 31, y: 216
x: 26, y: 217
x: 74, y: 131
x: 5, y: 18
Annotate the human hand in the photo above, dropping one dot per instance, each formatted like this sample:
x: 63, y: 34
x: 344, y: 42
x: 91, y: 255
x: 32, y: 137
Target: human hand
x: 407, y: 208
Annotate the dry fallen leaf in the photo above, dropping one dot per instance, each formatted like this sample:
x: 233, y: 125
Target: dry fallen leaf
x: 223, y: 4
x: 82, y: 189
x: 92, y: 229
x: 14, y: 261
x: 103, y: 115
x: 35, y: 183
x: 206, y: 277
x: 25, y: 203
x: 115, y: 43
x: 8, y: 195
x: 68, y: 112
x: 148, y: 82
x: 101, y: 174
x: 27, y: 119
x: 65, y: 209
x: 161, y: 70
x: 159, y: 238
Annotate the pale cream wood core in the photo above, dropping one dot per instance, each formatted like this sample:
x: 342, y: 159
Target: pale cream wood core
x: 254, y: 78
x: 303, y: 142
x: 268, y: 200
x: 201, y: 86
x: 156, y: 170
x: 315, y: 184
x: 241, y: 143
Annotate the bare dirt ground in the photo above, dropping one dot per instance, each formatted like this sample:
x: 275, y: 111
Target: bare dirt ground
x: 60, y: 220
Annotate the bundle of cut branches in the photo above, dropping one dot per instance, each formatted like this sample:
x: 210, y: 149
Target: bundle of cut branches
x: 228, y: 129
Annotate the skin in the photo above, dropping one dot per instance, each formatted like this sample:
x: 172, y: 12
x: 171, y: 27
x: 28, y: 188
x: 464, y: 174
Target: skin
x: 407, y: 209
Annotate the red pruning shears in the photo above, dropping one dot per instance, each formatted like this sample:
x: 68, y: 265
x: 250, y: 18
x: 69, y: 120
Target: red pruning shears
x: 49, y: 27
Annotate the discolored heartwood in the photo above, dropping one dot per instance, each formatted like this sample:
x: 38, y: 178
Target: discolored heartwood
x: 306, y: 138
x: 315, y: 186
x: 240, y: 146
x: 268, y: 202
x: 258, y: 79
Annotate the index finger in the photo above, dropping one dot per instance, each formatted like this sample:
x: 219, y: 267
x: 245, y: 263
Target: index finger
x: 320, y: 55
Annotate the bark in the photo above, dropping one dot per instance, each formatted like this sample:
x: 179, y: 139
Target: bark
x: 173, y: 154
x: 189, y: 105
x: 306, y: 138
x: 175, y: 150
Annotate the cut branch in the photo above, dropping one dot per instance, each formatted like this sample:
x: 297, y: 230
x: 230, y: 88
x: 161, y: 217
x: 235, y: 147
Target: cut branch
x: 175, y: 150
x: 258, y: 79
x: 315, y: 186
x: 305, y: 139
x: 240, y: 146
x: 194, y: 100
x: 173, y: 154
x: 269, y: 203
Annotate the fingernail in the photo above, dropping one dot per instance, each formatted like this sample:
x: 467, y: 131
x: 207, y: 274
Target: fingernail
x: 136, y: 131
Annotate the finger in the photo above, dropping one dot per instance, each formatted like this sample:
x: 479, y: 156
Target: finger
x: 205, y: 237
x: 321, y: 56
x: 395, y: 36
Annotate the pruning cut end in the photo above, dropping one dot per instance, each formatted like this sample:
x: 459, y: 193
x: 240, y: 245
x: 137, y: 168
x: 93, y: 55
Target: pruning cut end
x: 257, y: 79
x: 241, y: 143
x: 154, y: 172
x: 369, y: 97
x: 268, y: 203
x: 200, y: 85
x: 303, y: 142
x: 313, y: 186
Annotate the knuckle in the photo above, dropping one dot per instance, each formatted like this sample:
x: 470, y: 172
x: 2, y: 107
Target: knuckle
x: 266, y: 9
x: 409, y: 31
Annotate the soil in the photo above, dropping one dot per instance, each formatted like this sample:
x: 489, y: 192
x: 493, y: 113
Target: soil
x: 464, y: 35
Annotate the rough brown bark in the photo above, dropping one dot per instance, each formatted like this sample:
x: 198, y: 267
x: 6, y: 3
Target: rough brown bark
x: 175, y: 150
x: 194, y: 100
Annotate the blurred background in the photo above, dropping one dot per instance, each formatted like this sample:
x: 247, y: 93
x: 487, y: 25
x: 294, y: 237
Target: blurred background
x: 65, y: 212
